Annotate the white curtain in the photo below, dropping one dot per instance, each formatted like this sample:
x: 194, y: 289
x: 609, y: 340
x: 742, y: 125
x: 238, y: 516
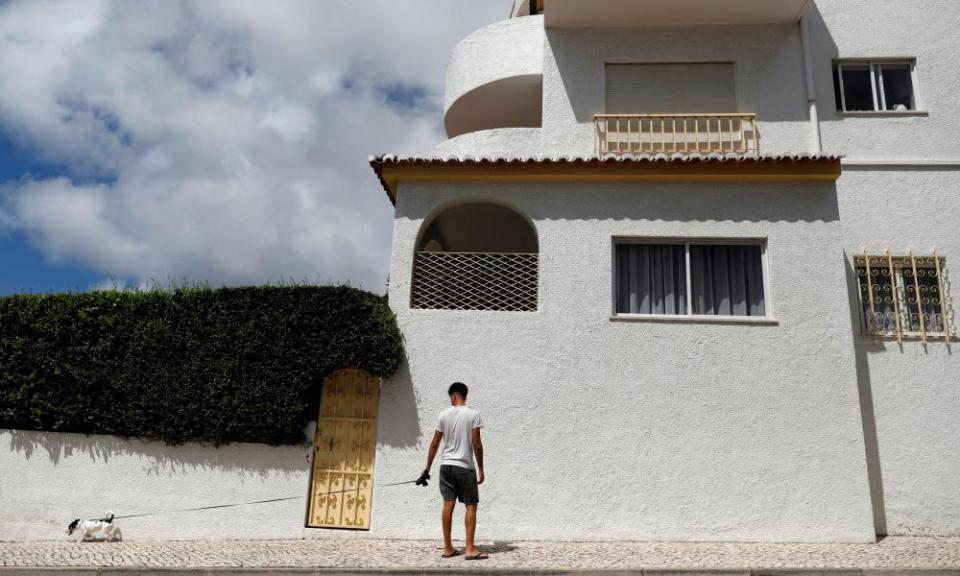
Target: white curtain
x: 727, y: 280
x: 651, y: 279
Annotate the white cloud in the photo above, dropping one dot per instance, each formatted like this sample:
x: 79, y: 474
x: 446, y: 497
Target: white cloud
x: 220, y: 140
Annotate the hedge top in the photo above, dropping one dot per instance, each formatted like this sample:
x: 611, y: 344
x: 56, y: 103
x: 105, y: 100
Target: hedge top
x: 189, y: 364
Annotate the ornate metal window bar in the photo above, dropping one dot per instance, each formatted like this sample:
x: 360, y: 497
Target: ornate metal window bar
x: 905, y: 297
x: 475, y: 281
x: 620, y: 134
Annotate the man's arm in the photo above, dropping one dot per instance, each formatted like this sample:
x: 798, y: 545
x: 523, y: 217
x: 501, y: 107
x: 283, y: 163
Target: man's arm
x: 478, y: 454
x: 434, y: 446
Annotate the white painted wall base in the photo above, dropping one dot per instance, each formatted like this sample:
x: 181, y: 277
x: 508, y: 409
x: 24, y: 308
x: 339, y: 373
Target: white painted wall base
x: 48, y: 479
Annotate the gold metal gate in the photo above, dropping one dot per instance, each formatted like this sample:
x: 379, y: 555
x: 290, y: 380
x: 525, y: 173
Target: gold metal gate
x: 344, y: 451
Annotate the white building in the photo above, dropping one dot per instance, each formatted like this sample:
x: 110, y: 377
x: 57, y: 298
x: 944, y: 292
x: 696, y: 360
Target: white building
x: 675, y: 250
x: 643, y: 247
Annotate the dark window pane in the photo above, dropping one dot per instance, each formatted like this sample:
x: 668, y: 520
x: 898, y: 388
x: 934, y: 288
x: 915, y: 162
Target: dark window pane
x: 856, y: 88
x: 898, y: 86
x: 727, y: 280
x: 836, y: 89
x: 925, y: 302
x: 880, y: 317
x: 651, y: 279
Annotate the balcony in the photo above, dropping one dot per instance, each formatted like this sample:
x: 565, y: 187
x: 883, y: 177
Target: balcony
x: 630, y: 13
x: 634, y: 134
x: 495, y: 78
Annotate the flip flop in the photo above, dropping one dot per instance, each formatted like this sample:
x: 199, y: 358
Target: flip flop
x: 477, y: 556
x: 455, y: 553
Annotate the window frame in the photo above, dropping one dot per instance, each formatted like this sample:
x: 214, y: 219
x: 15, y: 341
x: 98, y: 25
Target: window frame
x: 875, y: 67
x: 768, y: 319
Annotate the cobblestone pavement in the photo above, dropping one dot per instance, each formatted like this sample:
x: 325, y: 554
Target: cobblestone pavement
x: 908, y: 554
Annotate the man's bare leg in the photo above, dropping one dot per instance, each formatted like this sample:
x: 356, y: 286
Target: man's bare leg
x: 448, y: 549
x: 471, y: 523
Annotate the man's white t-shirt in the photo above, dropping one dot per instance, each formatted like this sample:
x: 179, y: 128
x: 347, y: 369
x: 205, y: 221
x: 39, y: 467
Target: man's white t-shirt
x: 456, y: 423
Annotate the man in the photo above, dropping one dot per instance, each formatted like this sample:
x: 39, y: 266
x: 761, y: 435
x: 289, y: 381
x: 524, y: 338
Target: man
x: 459, y: 428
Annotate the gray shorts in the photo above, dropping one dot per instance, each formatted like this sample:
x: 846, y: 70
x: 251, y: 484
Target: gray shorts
x: 458, y: 483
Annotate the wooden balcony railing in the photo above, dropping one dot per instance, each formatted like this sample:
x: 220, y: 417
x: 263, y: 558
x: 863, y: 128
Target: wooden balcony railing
x: 676, y: 133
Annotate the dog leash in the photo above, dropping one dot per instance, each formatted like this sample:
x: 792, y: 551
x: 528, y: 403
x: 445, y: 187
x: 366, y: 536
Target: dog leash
x: 209, y: 507
x: 380, y: 485
x: 256, y: 502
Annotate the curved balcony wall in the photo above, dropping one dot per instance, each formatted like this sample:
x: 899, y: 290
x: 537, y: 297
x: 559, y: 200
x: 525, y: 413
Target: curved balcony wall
x: 495, y: 78
x: 496, y: 143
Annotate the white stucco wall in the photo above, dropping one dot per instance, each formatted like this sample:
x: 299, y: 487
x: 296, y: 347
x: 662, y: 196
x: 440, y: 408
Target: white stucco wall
x: 908, y: 201
x: 770, y: 74
x: 494, y: 78
x: 599, y: 429
x: 911, y: 389
x: 769, y: 63
x: 770, y: 78
x: 921, y: 29
x: 501, y: 50
x: 497, y: 143
x: 48, y: 479
x: 914, y: 388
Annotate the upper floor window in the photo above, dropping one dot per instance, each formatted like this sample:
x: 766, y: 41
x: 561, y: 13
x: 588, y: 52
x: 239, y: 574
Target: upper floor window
x: 693, y: 279
x: 477, y: 256
x: 904, y: 296
x: 876, y: 86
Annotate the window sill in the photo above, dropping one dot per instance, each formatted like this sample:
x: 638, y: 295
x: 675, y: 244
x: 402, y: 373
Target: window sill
x: 741, y: 320
x: 885, y: 113
x: 911, y: 337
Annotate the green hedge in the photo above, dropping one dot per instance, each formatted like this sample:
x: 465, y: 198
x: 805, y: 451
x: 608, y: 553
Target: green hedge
x: 190, y: 364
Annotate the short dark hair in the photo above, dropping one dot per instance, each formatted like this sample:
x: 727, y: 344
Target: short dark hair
x: 458, y: 388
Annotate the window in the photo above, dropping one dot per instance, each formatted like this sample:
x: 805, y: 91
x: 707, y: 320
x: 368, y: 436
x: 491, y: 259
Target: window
x: 903, y: 296
x: 883, y: 86
x: 476, y: 256
x: 722, y: 279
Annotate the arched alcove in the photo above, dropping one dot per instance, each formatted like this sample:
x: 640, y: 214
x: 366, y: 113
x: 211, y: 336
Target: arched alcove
x: 476, y: 256
x: 479, y: 227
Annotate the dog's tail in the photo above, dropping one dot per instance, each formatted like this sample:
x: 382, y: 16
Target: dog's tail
x: 108, y: 518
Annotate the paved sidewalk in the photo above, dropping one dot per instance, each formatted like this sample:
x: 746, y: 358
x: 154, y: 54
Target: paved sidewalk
x: 909, y: 555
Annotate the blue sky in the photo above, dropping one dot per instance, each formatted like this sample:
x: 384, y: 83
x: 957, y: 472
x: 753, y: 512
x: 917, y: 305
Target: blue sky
x: 24, y: 268
x: 215, y: 141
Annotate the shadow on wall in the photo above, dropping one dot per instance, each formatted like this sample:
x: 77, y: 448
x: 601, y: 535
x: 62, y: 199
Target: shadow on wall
x: 680, y: 202
x: 160, y: 459
x: 399, y: 427
x: 580, y: 58
x: 824, y: 51
x: 862, y: 346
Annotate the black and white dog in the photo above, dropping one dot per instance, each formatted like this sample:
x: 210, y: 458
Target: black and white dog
x: 99, y: 530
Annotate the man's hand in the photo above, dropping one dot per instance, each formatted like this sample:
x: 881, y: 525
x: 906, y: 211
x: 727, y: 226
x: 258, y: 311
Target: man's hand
x: 480, y: 477
x: 424, y: 476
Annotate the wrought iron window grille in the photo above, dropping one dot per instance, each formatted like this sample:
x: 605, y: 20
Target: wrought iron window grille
x: 905, y: 297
